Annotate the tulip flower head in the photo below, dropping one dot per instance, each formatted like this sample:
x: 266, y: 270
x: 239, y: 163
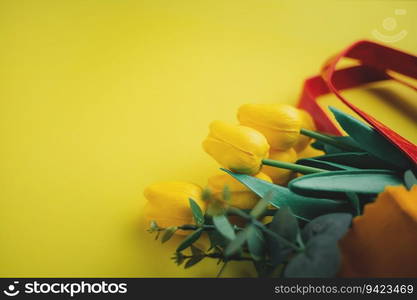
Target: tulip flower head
x: 279, y: 123
x: 307, y: 123
x: 236, y: 147
x: 168, y: 203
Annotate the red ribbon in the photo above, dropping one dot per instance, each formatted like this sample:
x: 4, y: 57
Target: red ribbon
x: 375, y: 61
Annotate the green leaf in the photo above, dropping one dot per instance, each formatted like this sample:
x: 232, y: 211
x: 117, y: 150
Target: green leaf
x: 195, y: 251
x: 236, y: 244
x: 370, y: 140
x: 332, y: 225
x: 304, y: 208
x: 190, y: 239
x: 224, y: 227
x: 193, y: 261
x: 335, y: 184
x: 261, y: 206
x: 329, y: 149
x: 331, y: 166
x: 409, y: 179
x: 360, y: 160
x: 256, y: 242
x: 197, y: 212
x: 169, y: 232
x: 285, y: 224
x: 320, y: 259
x: 355, y: 202
x: 327, y: 142
x: 217, y: 239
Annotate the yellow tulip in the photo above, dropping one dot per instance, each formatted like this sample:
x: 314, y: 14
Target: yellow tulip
x: 235, y: 147
x: 278, y: 175
x: 280, y: 123
x: 168, y: 203
x: 310, y: 151
x: 306, y: 123
x: 383, y: 241
x: 241, y: 196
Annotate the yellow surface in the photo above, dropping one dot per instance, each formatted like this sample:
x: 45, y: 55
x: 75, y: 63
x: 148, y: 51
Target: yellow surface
x: 100, y: 98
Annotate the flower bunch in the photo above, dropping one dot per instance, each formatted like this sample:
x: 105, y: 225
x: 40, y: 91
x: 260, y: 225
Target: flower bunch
x: 287, y: 197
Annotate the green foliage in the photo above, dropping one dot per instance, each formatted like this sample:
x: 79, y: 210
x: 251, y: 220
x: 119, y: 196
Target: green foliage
x: 360, y: 160
x: 285, y: 224
x: 326, y: 165
x: 335, y: 184
x: 190, y: 239
x: 256, y: 242
x: 409, y: 179
x: 305, y: 208
x: 370, y: 140
x: 236, y: 244
x: 354, y: 199
x: 334, y: 225
x: 261, y: 206
x: 224, y: 227
x: 321, y: 257
x: 169, y: 232
x: 197, y: 212
x: 217, y: 239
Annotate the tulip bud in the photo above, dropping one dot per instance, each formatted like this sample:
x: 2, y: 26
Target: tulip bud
x: 168, y: 203
x: 306, y: 123
x: 241, y: 196
x: 279, y: 123
x: 235, y: 147
x: 278, y: 175
x: 310, y: 151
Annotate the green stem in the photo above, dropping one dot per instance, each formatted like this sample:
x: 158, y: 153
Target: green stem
x: 290, y: 166
x: 329, y: 140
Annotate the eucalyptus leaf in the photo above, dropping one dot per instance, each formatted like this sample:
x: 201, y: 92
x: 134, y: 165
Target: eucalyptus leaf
x: 224, y: 227
x: 371, y: 140
x: 190, y: 239
x: 261, y: 206
x: 320, y: 259
x: 236, y: 244
x: 335, y: 184
x: 256, y: 242
x: 305, y: 208
x: 326, y: 165
x: 193, y: 261
x: 169, y: 232
x: 197, y: 212
x: 217, y: 239
x: 409, y: 179
x: 285, y: 224
x: 332, y: 225
x: 195, y: 251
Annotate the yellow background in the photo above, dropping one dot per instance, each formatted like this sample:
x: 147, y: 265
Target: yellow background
x: 99, y: 98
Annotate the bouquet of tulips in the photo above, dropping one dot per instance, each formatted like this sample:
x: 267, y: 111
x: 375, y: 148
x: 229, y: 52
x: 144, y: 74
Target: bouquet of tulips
x: 294, y: 201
